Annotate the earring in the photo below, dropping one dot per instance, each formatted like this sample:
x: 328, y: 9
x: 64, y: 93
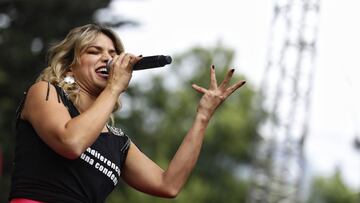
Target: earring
x: 69, y: 80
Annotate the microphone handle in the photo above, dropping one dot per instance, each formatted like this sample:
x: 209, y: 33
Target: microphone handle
x: 152, y: 62
x: 148, y: 62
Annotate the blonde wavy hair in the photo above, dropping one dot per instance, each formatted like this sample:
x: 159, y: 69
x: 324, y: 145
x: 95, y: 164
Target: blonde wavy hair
x: 66, y: 53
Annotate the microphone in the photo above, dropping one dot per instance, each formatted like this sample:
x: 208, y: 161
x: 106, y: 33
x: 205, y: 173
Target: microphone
x: 148, y: 62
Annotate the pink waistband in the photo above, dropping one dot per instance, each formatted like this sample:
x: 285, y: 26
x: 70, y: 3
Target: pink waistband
x: 21, y: 200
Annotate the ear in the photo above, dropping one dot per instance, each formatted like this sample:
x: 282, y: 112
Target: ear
x: 69, y: 71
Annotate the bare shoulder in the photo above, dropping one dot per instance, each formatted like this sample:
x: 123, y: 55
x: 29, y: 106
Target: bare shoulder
x: 40, y: 89
x: 40, y: 97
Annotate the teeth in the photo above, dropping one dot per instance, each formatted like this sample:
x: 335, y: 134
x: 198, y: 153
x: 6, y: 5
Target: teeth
x: 101, y: 70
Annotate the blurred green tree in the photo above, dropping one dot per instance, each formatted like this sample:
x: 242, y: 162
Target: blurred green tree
x: 158, y: 111
x: 332, y: 190
x: 26, y: 30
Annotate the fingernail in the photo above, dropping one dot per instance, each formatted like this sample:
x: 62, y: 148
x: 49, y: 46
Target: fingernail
x: 232, y: 70
x: 140, y: 55
x: 213, y: 67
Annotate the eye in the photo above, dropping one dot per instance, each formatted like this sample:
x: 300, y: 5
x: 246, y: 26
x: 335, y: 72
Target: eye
x: 93, y: 52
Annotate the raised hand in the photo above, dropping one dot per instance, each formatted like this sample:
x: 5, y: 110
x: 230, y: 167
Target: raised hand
x: 215, y: 95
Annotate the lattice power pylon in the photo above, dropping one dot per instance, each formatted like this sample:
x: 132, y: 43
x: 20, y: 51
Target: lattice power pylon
x: 286, y: 88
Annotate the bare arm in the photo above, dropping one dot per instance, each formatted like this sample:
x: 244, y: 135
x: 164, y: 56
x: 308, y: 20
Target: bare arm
x: 143, y: 174
x: 51, y: 120
x: 68, y: 136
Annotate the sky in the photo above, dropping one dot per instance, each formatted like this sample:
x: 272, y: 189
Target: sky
x: 172, y: 27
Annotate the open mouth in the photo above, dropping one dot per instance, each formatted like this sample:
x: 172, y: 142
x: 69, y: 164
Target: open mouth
x: 102, y: 72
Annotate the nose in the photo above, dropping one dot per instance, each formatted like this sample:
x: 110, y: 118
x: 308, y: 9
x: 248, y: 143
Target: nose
x: 106, y: 56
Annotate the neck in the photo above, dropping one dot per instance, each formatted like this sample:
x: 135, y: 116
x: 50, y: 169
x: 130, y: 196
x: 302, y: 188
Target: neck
x: 85, y: 100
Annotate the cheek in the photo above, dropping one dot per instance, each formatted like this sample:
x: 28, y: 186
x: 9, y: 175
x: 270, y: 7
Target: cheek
x: 88, y: 63
x: 86, y: 68
x: 81, y: 69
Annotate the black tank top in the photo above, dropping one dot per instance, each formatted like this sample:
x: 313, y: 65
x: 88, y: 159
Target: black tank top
x: 41, y: 174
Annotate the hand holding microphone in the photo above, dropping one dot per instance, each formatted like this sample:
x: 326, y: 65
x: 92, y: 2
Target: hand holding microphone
x: 122, y: 81
x: 148, y: 62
